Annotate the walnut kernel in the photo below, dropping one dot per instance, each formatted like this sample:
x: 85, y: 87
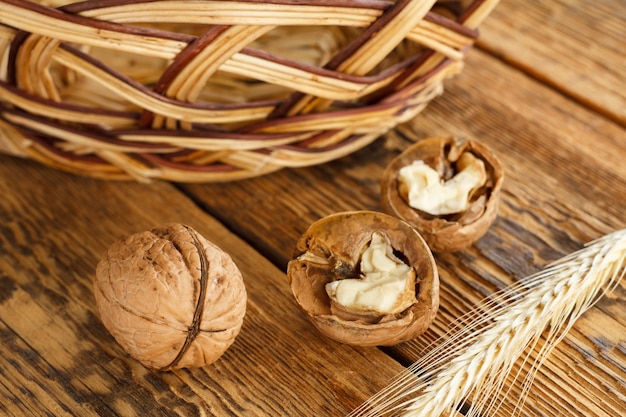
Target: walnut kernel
x: 458, y: 200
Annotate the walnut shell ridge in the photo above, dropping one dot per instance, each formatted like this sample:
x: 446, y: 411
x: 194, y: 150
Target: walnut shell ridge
x: 170, y: 298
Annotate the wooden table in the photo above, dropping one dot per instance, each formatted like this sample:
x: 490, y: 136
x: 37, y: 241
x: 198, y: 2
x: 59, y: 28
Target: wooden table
x: 544, y: 88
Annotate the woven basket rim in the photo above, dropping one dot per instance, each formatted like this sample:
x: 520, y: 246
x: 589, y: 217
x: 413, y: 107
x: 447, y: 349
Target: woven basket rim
x: 140, y: 96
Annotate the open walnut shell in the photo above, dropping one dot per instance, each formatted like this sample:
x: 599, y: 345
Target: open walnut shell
x: 170, y: 298
x: 447, y: 232
x: 331, y: 249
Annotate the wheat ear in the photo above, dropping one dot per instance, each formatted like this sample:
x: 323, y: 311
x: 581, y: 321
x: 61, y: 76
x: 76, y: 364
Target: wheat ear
x: 522, y: 323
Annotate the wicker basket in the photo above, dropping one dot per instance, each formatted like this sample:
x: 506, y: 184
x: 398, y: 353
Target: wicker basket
x: 201, y: 90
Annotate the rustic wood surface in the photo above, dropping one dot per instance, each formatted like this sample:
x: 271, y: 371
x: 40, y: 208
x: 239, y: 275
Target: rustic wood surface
x: 544, y: 88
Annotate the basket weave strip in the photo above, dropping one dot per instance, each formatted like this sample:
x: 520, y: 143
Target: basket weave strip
x: 219, y: 90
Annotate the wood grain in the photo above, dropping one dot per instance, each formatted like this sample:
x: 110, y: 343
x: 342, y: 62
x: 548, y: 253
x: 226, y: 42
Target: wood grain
x: 65, y: 363
x: 540, y: 89
x: 574, y: 46
x: 545, y: 212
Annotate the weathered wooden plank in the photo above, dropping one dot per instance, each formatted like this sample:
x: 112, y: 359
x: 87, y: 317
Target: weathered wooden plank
x: 575, y: 46
x: 565, y: 185
x: 58, y: 359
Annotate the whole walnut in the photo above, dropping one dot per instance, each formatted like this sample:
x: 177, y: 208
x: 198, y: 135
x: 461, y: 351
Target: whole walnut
x: 170, y: 298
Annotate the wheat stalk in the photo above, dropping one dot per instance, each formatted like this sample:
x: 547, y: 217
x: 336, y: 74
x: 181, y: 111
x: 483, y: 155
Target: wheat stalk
x: 515, y: 327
